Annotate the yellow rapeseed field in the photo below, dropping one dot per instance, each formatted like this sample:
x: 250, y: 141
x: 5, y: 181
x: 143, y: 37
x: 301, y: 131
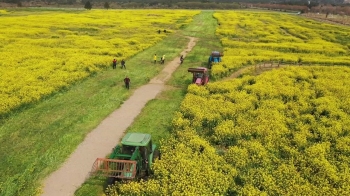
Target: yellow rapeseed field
x: 259, y: 37
x: 41, y: 52
x: 284, y: 132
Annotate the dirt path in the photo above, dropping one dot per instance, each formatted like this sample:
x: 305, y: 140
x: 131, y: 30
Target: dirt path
x: 100, y: 141
x: 255, y: 70
x: 332, y: 19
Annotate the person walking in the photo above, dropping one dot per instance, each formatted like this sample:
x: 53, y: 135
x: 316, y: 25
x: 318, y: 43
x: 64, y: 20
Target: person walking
x: 114, y: 64
x: 163, y: 59
x: 123, y: 64
x: 155, y: 58
x: 181, y: 59
x: 127, y: 82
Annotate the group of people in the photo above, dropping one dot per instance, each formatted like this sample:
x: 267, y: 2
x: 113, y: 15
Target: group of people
x: 126, y: 79
x: 122, y: 63
x: 162, y: 59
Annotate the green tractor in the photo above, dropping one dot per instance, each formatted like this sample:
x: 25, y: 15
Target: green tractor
x: 131, y: 159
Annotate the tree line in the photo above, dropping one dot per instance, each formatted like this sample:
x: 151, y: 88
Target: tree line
x: 146, y: 3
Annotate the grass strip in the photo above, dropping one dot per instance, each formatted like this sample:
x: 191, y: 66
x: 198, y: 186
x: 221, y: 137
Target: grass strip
x: 157, y: 115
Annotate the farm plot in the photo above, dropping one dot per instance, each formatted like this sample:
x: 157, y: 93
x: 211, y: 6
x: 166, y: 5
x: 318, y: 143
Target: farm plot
x: 259, y: 37
x: 34, y: 142
x: 283, y: 132
x: 43, y: 52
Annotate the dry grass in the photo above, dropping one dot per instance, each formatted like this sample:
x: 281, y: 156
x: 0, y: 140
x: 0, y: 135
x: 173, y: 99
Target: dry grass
x: 338, y: 19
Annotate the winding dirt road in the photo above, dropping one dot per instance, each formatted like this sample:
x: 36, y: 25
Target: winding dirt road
x: 100, y: 141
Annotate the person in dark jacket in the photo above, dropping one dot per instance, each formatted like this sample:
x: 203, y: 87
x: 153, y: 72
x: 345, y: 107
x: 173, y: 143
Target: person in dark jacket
x: 123, y: 64
x: 127, y: 82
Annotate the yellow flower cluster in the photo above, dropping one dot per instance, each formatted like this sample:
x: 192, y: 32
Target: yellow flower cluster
x: 189, y: 166
x: 44, y: 51
x: 3, y: 12
x: 284, y: 132
x: 256, y: 37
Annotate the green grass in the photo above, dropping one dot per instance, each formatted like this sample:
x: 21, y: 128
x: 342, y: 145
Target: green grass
x: 38, y: 138
x: 203, y: 28
x: 156, y: 116
x: 155, y: 119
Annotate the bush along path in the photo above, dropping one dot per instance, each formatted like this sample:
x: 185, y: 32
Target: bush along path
x: 100, y: 141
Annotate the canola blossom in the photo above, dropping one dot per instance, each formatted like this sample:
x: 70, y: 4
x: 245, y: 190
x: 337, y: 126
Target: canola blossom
x: 185, y: 170
x: 284, y: 132
x: 42, y: 52
x: 251, y: 38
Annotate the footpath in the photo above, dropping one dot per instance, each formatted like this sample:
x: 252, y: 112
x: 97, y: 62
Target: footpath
x: 100, y: 141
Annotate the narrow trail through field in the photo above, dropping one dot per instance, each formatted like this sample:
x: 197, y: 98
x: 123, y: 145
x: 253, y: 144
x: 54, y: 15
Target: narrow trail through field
x: 100, y: 141
x: 256, y: 70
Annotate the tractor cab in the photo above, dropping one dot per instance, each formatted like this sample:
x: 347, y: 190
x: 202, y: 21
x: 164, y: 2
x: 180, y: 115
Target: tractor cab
x: 128, y: 150
x: 215, y: 57
x: 132, y: 158
x: 200, y: 75
x: 138, y: 141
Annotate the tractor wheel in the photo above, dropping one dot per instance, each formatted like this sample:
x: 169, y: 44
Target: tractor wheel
x: 148, y: 171
x: 110, y: 181
x: 156, y: 155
